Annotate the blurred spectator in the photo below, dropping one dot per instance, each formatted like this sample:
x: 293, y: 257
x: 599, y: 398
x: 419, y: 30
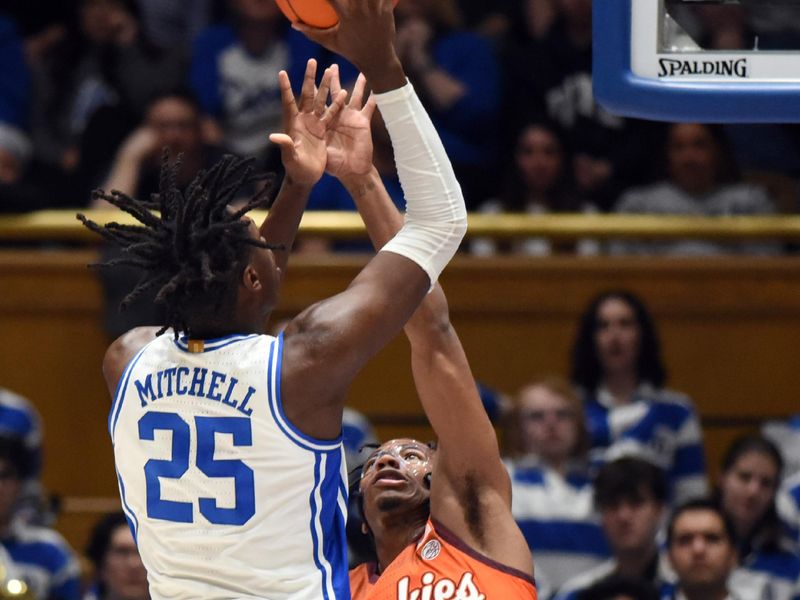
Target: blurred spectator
x: 103, y: 61
x: 19, y: 420
x: 616, y: 361
x: 538, y: 182
x: 234, y: 74
x: 457, y: 77
x: 788, y: 506
x: 172, y: 120
x: 489, y: 19
x: 702, y: 553
x: 118, y: 570
x: 43, y: 559
x: 620, y: 588
x: 748, y: 483
x: 15, y: 79
x: 548, y: 71
x: 550, y: 486
x: 786, y: 436
x: 701, y: 178
x: 25, y: 184
x: 170, y: 23
x: 631, y: 496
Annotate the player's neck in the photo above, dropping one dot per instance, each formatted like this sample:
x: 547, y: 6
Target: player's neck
x: 395, y: 537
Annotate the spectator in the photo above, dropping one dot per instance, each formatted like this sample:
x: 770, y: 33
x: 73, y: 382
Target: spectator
x: 551, y: 489
x: 118, y: 570
x: 43, y: 559
x: 702, y: 553
x: 19, y: 420
x: 15, y: 79
x: 548, y: 72
x: 234, y: 74
x: 749, y: 480
x: 104, y: 63
x: 631, y: 496
x: 538, y: 182
x: 169, y: 23
x: 172, y: 120
x: 700, y: 179
x: 616, y: 361
x: 788, y: 506
x: 786, y: 436
x: 457, y: 76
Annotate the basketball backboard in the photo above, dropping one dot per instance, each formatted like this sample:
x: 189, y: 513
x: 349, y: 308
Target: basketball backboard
x: 697, y: 60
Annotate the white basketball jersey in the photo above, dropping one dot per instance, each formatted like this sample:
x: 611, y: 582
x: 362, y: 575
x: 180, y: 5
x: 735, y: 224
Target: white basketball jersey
x: 225, y: 497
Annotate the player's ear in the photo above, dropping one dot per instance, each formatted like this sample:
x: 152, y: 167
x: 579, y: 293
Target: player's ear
x: 250, y: 278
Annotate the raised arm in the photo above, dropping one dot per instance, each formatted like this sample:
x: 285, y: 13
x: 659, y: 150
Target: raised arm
x: 303, y: 155
x: 329, y: 343
x: 469, y: 472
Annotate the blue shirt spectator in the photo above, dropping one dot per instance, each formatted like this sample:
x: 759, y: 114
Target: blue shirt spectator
x: 15, y: 79
x: 617, y: 364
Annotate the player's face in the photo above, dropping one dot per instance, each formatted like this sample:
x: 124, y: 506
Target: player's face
x: 617, y: 336
x: 177, y: 125
x: 692, y: 156
x: 394, y: 478
x: 123, y: 573
x: 539, y: 158
x: 700, y: 551
x: 631, y: 524
x: 549, y: 425
x: 748, y: 489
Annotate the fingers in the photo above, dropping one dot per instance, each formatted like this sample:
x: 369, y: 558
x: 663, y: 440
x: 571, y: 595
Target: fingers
x: 287, y: 97
x: 282, y: 140
x: 336, y: 83
x: 335, y: 108
x: 321, y: 98
x: 308, y: 90
x: 369, y: 107
x: 358, y: 92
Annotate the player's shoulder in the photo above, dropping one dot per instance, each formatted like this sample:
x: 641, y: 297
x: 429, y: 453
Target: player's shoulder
x: 123, y: 349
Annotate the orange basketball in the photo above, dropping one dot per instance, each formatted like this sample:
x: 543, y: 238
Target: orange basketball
x: 316, y: 13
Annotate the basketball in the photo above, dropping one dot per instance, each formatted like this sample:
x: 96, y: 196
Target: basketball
x: 316, y: 13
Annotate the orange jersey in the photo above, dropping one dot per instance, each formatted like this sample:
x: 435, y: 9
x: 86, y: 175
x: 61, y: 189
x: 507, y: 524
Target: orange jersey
x: 438, y: 567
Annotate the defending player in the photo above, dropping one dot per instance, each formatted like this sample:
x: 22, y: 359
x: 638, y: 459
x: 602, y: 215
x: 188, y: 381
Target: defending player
x: 440, y: 520
x: 226, y: 440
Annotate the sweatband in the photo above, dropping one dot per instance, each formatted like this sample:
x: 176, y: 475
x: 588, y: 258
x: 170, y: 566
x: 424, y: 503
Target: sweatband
x: 436, y: 216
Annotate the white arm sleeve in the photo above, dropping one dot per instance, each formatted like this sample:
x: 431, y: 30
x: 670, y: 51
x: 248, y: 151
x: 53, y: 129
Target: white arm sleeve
x: 436, y: 217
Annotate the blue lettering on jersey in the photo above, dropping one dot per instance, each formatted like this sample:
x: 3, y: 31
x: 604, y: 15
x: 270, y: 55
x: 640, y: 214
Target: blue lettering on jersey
x: 197, y: 382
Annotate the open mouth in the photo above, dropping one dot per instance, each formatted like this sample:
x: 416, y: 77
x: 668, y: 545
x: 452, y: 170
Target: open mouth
x: 389, y: 478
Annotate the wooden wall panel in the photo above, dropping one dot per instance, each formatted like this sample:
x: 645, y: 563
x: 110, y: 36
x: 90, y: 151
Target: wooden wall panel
x: 729, y: 327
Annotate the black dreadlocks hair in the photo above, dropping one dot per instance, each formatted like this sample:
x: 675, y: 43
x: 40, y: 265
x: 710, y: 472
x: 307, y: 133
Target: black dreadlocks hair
x: 192, y: 250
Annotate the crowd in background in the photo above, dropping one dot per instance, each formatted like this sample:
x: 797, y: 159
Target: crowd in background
x: 607, y: 462
x: 91, y: 92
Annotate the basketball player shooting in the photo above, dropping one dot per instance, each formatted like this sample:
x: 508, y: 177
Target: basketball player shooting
x: 440, y: 519
x: 227, y: 441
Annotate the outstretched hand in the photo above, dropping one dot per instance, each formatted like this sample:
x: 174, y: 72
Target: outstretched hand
x: 306, y: 123
x: 349, y: 137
